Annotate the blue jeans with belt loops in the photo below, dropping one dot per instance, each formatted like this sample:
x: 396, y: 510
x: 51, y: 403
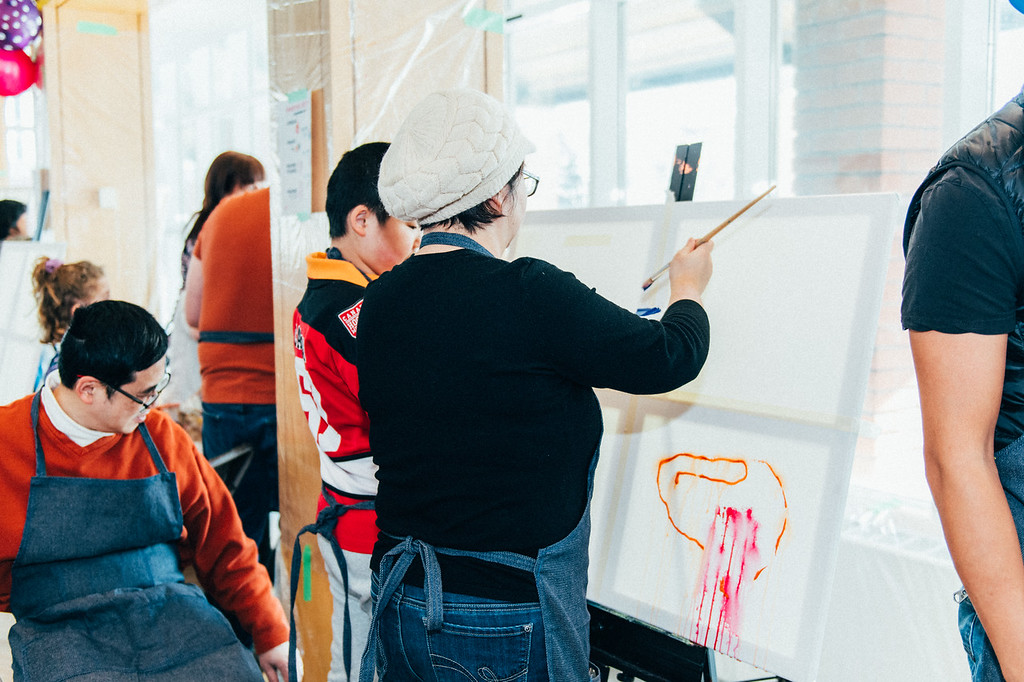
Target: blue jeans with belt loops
x: 481, y: 640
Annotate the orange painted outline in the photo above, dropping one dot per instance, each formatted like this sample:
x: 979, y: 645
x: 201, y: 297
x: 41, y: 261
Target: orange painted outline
x: 680, y: 474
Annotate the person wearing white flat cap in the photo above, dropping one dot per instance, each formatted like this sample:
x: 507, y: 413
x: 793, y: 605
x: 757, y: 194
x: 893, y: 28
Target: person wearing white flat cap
x: 477, y: 375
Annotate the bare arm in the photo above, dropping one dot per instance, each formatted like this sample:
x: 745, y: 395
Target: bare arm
x: 193, y: 292
x: 960, y: 378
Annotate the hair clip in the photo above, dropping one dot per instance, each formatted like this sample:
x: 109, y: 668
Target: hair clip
x: 52, y: 265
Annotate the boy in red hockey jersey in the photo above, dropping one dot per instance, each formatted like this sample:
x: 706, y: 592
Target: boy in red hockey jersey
x: 365, y: 242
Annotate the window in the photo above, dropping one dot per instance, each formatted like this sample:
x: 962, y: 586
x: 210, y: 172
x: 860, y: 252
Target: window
x: 607, y: 89
x: 20, y: 167
x: 210, y: 94
x: 1008, y: 53
x: 548, y: 89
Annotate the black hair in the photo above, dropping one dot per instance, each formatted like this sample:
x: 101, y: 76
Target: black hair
x: 111, y: 341
x: 10, y: 211
x: 484, y: 213
x: 354, y: 182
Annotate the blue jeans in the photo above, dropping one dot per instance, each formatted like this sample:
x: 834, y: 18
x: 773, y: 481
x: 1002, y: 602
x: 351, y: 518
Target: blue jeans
x: 481, y: 640
x: 980, y: 655
x: 226, y: 425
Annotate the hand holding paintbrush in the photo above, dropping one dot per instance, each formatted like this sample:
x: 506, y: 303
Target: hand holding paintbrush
x: 689, y: 271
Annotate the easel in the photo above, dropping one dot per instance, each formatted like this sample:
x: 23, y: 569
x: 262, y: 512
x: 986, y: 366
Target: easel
x: 641, y: 652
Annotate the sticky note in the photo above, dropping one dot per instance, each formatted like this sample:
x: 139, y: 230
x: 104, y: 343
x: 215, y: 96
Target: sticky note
x: 485, y: 20
x: 95, y: 28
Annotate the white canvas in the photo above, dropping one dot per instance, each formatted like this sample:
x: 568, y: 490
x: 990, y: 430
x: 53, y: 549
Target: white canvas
x: 717, y: 507
x: 611, y: 252
x: 720, y: 528
x: 20, y: 348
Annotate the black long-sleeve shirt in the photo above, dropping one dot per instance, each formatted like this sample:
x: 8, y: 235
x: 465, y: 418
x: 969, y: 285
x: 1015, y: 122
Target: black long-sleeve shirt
x: 477, y: 376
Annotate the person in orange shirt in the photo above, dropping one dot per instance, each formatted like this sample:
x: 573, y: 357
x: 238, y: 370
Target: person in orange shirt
x: 105, y: 502
x: 229, y: 299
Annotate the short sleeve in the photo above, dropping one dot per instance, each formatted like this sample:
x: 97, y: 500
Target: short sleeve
x: 964, y: 260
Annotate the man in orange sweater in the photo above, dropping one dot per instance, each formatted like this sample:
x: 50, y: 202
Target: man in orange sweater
x: 104, y: 502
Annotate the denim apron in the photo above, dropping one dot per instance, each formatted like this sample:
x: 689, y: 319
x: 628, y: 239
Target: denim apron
x: 560, y: 571
x: 97, y: 591
x: 324, y: 525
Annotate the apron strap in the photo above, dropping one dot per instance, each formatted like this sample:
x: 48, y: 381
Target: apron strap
x: 236, y: 337
x: 393, y: 567
x: 395, y: 564
x: 158, y: 461
x: 454, y: 239
x: 324, y: 525
x: 40, y: 459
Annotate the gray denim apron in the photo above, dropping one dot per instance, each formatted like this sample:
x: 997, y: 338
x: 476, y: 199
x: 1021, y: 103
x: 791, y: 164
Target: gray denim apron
x: 560, y: 571
x: 97, y: 591
x: 324, y: 525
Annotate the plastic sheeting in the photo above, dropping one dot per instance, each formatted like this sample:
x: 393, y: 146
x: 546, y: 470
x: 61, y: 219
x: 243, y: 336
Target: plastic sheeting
x: 892, y: 615
x: 100, y: 130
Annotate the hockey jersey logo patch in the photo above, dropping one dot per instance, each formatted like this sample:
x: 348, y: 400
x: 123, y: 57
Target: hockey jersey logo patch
x: 350, y: 318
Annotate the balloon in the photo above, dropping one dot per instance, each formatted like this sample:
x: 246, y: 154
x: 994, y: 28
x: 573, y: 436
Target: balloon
x: 17, y: 72
x: 19, y: 24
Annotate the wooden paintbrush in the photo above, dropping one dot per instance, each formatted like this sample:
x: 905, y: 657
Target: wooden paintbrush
x: 650, y: 280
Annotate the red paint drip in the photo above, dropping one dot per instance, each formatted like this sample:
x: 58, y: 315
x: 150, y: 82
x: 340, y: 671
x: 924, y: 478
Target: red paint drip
x: 731, y: 544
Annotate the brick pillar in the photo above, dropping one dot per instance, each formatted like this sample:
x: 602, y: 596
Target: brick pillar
x: 869, y: 79
x: 869, y: 94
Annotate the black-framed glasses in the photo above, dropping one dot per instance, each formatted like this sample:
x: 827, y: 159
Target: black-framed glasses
x: 532, y: 181
x: 150, y: 396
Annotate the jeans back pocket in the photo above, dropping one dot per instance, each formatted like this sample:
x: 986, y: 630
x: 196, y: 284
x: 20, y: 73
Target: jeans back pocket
x: 462, y: 653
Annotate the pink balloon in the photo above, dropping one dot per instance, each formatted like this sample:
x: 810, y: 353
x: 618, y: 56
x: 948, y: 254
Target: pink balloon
x: 20, y: 23
x: 17, y: 72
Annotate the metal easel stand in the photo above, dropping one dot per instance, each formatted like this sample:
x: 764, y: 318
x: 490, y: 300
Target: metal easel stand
x: 232, y: 465
x: 641, y: 652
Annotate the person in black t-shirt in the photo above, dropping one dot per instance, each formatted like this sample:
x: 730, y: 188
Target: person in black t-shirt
x: 477, y: 375
x: 963, y: 302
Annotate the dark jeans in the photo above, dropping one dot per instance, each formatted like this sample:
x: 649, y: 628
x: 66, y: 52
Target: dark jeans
x: 226, y: 425
x: 481, y: 640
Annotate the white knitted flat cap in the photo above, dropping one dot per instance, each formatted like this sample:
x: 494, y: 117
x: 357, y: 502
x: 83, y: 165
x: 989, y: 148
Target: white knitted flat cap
x: 456, y: 149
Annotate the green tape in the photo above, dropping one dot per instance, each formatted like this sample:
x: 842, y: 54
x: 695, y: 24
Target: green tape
x: 298, y: 95
x: 95, y: 28
x: 303, y: 217
x: 307, y: 574
x: 485, y: 20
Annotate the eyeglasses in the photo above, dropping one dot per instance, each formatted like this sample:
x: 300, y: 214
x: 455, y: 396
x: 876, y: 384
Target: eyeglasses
x: 531, y: 183
x: 150, y: 397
